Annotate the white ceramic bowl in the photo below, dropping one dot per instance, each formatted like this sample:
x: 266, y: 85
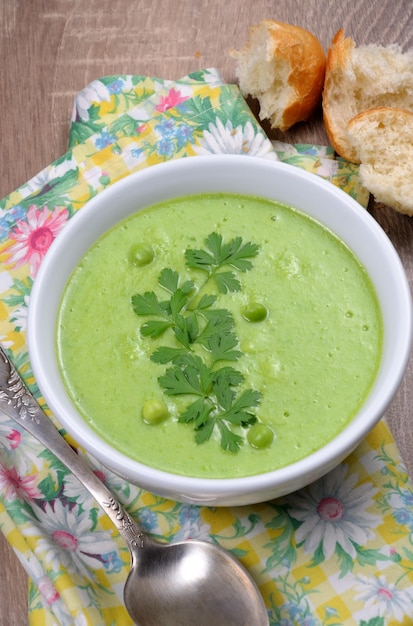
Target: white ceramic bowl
x: 244, y: 175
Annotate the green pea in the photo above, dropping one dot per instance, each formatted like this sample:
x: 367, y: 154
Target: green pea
x: 154, y: 411
x: 254, y: 312
x: 260, y: 436
x: 141, y: 254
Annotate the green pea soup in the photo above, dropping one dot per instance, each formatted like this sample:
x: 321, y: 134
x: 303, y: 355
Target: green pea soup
x: 306, y: 318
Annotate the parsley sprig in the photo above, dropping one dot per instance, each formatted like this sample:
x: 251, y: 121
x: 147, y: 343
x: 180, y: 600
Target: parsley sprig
x: 205, y: 341
x: 235, y: 253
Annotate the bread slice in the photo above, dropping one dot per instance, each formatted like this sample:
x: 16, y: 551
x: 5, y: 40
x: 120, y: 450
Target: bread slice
x: 361, y: 78
x: 283, y: 66
x: 383, y: 138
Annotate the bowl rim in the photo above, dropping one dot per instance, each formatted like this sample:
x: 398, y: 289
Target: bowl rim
x: 325, y: 457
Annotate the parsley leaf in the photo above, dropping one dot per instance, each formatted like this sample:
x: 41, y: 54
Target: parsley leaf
x: 177, y: 302
x: 233, y: 253
x: 236, y: 413
x: 204, y: 432
x: 240, y: 256
x: 154, y: 328
x: 165, y: 354
x: 189, y: 376
x: 206, y: 301
x: 226, y: 281
x: 229, y: 440
x: 217, y: 404
x: 169, y: 280
x: 223, y: 381
x: 186, y: 329
x: 222, y: 347
x: 177, y: 381
x: 147, y: 304
x: 197, y: 412
x: 218, y: 323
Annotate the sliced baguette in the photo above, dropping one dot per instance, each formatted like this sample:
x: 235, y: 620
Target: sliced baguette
x: 361, y: 78
x: 283, y: 66
x: 383, y: 137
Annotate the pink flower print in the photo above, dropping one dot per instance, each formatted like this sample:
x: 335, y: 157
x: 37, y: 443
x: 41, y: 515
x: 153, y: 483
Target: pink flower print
x: 334, y: 513
x: 47, y: 589
x: 31, y: 238
x: 100, y: 475
x: 70, y: 540
x: 65, y: 540
x: 331, y: 509
x: 15, y: 486
x: 384, y: 599
x: 171, y: 100
x: 14, y: 438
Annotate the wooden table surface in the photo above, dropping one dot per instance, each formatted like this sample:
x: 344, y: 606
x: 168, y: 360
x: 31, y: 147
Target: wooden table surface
x: 50, y: 49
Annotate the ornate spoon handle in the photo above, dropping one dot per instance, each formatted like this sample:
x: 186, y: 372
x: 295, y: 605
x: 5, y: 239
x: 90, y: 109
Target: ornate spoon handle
x: 19, y: 404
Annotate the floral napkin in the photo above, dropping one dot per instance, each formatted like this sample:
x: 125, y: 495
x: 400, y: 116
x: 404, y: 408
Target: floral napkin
x: 338, y: 552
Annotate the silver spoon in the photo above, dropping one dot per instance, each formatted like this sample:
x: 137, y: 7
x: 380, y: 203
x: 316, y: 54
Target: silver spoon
x: 181, y: 584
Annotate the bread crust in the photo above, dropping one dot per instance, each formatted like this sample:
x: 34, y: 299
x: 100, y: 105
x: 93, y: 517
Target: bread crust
x: 379, y: 115
x: 362, y: 78
x: 304, y: 55
x: 338, y: 60
x: 307, y: 59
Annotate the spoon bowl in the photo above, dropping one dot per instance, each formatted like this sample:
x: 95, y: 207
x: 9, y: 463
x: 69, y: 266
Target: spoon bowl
x: 181, y: 584
x: 195, y: 583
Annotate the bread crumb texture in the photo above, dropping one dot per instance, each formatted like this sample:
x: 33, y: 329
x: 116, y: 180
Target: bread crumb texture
x: 383, y: 137
x: 361, y: 78
x: 283, y: 67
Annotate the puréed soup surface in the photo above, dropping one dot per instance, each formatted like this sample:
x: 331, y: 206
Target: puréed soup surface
x: 313, y: 358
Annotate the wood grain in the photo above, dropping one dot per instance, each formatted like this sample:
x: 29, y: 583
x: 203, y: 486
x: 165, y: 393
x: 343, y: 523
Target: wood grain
x: 50, y: 49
